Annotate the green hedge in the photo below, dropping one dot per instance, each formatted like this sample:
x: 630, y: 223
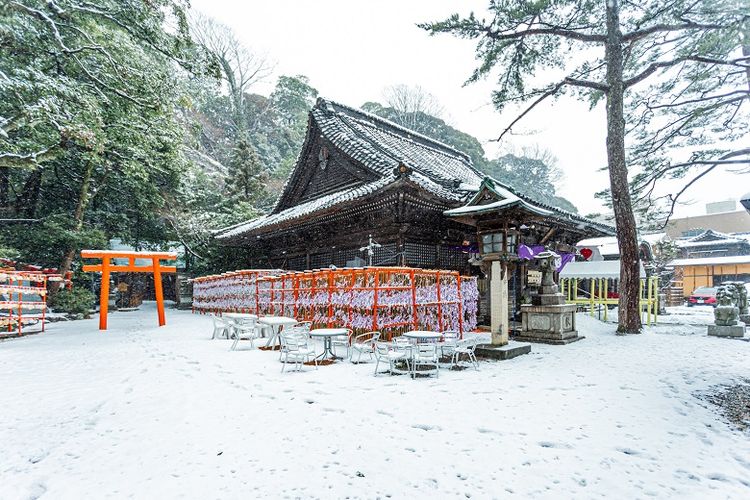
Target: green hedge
x: 75, y: 301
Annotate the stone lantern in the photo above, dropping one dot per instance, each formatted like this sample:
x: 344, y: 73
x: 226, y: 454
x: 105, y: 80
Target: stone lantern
x: 548, y: 318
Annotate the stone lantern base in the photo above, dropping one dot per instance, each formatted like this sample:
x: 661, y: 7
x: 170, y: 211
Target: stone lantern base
x: 548, y: 319
x: 549, y: 324
x: 734, y: 331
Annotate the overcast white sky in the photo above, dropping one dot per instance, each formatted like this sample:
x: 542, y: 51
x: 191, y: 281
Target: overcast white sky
x: 351, y: 50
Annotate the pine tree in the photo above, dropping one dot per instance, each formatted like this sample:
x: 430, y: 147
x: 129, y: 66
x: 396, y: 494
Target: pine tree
x: 608, y: 50
x: 246, y: 176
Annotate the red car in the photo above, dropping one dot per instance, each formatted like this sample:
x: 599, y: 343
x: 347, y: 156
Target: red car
x: 703, y: 295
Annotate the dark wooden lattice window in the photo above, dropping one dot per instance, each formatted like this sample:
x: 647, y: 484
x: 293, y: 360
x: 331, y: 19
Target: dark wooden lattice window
x: 320, y: 260
x: 386, y: 255
x: 452, y: 258
x: 297, y: 263
x: 344, y: 256
x: 419, y: 254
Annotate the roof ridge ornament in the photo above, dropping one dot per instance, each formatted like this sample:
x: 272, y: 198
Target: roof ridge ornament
x: 402, y: 170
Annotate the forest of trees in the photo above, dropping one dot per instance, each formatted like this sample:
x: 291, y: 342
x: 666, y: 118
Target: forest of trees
x: 139, y: 121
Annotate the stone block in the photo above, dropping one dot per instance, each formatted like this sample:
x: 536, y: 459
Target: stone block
x: 735, y: 331
x: 508, y: 351
x: 551, y: 300
x: 548, y: 289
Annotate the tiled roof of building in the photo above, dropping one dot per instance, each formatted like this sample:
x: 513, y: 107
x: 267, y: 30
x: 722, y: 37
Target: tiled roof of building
x: 380, y: 146
x: 312, y: 206
x: 510, y: 197
x: 384, y: 147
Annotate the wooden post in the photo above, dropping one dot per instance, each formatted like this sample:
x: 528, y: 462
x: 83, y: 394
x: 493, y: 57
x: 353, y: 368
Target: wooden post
x: 329, y: 324
x: 104, y: 294
x: 158, y: 291
x: 44, y: 300
x: 439, y: 303
x: 414, y: 298
x: 640, y: 298
x: 606, y: 297
x: 460, y: 307
x: 649, y: 299
x: 20, y: 312
x: 375, y: 303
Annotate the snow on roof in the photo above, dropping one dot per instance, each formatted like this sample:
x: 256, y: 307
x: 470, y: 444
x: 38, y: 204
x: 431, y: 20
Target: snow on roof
x: 510, y: 197
x: 306, y: 208
x: 431, y: 158
x: 609, y: 269
x: 597, y: 242
x: 380, y: 146
x: 708, y: 243
x: 654, y: 238
x: 708, y: 261
x: 608, y: 244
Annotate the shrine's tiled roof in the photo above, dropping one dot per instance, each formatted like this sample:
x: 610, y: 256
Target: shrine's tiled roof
x: 507, y: 197
x: 303, y: 209
x: 382, y: 147
x: 392, y: 154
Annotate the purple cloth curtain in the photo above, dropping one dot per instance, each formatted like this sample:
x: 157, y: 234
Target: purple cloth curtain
x: 526, y: 252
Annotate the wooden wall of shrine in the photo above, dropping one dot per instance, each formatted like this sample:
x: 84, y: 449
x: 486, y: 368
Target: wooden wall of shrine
x: 410, y: 231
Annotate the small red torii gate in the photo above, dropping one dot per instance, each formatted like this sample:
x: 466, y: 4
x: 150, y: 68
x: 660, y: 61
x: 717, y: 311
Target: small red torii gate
x: 106, y: 267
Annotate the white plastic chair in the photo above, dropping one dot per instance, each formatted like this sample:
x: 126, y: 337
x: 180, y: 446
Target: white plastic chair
x: 246, y: 330
x: 364, y: 343
x: 386, y: 351
x: 450, y: 338
x: 295, y: 348
x: 342, y: 341
x: 467, y: 347
x: 221, y: 327
x: 299, y: 328
x: 425, y: 355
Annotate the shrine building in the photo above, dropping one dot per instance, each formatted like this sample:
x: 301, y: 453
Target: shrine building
x: 365, y: 191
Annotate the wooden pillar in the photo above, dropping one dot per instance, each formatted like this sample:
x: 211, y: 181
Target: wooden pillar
x: 158, y: 291
x: 104, y: 294
x: 498, y: 304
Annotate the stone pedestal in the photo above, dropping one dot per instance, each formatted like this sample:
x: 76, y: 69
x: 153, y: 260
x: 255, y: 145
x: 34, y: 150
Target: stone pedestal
x: 548, y: 319
x: 734, y: 331
x: 550, y: 324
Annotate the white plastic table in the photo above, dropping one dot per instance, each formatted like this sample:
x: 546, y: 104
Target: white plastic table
x: 422, y: 335
x: 327, y: 334
x: 240, y: 316
x: 275, y: 322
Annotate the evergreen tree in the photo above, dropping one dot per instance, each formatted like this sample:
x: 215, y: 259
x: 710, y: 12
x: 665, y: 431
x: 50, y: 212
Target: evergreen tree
x: 246, y: 176
x: 640, y: 43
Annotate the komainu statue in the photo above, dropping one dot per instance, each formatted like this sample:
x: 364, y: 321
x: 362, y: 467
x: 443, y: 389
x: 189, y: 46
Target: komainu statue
x: 725, y: 313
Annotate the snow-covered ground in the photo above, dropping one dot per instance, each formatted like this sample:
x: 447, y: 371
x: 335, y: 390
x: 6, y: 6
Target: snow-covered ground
x: 676, y: 316
x: 145, y: 412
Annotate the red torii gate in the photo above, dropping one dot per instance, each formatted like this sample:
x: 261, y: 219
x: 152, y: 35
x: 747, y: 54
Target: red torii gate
x: 106, y: 267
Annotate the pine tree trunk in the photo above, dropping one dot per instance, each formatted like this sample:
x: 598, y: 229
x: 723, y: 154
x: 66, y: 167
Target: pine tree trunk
x: 27, y: 201
x: 4, y: 189
x: 83, y: 200
x: 629, y: 319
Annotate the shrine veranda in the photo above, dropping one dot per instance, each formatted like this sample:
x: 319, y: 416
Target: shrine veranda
x: 387, y: 299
